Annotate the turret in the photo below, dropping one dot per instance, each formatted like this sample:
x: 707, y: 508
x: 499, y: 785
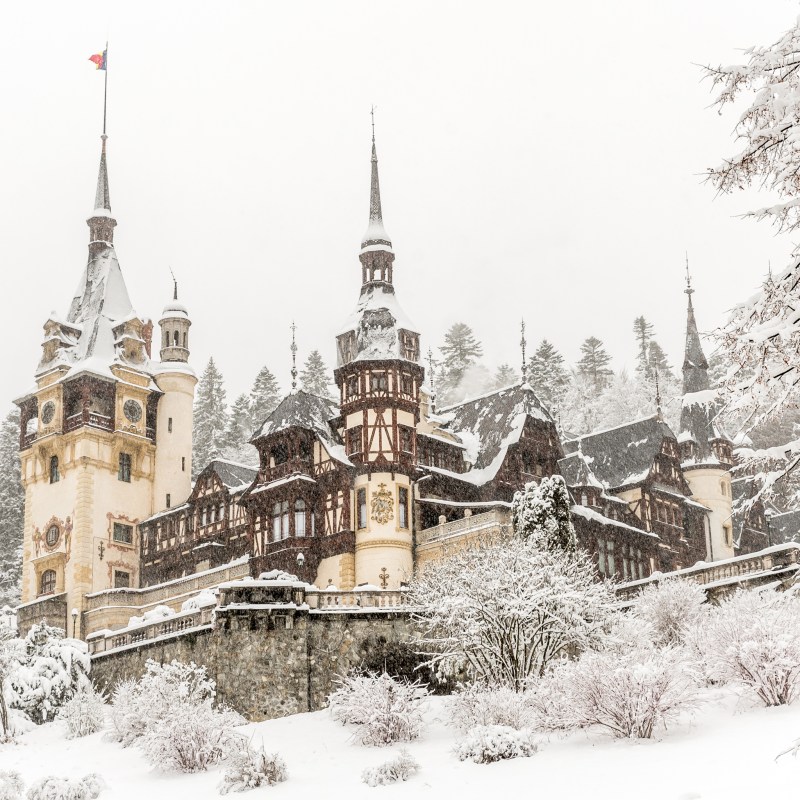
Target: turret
x: 175, y: 324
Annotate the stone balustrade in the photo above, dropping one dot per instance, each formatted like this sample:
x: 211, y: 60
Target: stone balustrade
x: 496, y: 518
x: 325, y: 600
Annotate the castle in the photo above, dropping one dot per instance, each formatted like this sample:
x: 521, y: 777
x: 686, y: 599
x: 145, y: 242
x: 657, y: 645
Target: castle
x: 347, y: 494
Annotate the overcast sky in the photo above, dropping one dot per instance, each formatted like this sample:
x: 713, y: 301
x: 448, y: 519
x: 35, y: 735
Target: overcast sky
x: 536, y: 160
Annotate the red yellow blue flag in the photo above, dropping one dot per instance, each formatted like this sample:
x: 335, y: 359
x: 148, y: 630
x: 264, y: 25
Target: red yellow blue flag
x: 99, y: 59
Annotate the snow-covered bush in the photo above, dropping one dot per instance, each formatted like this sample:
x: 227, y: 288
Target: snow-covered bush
x: 250, y: 767
x: 51, y: 670
x: 52, y: 788
x: 138, y: 704
x: 753, y: 639
x: 503, y: 611
x: 84, y: 712
x: 11, y: 786
x: 670, y: 607
x: 629, y: 691
x: 397, y: 769
x: 488, y: 743
x: 541, y: 511
x: 11, y: 651
x: 190, y: 738
x: 482, y: 705
x: 383, y: 709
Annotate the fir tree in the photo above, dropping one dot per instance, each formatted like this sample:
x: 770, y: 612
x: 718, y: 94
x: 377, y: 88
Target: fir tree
x: 643, y: 331
x: 314, y: 375
x: 264, y: 397
x: 548, y: 375
x: 459, y: 352
x: 542, y: 512
x: 504, y: 376
x: 11, y: 511
x: 239, y: 428
x: 594, y: 363
x: 657, y: 361
x: 210, y: 417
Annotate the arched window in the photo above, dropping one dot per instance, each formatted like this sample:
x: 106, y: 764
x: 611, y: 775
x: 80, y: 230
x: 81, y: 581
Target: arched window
x: 276, y: 522
x: 48, y: 582
x: 54, y: 476
x: 285, y: 519
x: 184, y: 339
x: 299, y: 517
x: 166, y: 338
x: 176, y: 339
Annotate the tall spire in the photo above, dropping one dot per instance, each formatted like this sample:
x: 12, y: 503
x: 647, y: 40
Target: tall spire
x: 695, y: 366
x: 102, y: 198
x: 293, y: 349
x: 522, y: 344
x: 101, y: 223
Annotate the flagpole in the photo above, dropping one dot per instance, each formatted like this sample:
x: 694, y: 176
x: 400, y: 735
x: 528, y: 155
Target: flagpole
x: 105, y: 90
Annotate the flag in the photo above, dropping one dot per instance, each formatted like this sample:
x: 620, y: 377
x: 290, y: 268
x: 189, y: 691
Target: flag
x: 99, y: 59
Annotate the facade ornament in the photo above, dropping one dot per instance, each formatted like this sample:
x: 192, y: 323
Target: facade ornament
x: 382, y: 505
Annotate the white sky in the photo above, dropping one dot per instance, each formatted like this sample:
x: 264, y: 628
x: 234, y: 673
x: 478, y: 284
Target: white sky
x: 537, y: 160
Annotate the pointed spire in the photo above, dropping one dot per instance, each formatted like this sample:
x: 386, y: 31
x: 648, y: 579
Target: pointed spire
x: 659, y: 413
x: 522, y: 344
x: 102, y: 198
x: 101, y: 223
x: 293, y: 349
x: 431, y: 380
x: 695, y: 366
x: 375, y: 237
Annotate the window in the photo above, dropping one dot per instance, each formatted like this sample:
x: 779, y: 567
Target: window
x: 612, y: 569
x: 402, y: 506
x: 54, y: 476
x: 351, y: 387
x: 176, y: 338
x: 183, y: 463
x: 280, y: 454
x: 123, y: 533
x: 601, y: 556
x: 406, y: 439
x: 221, y: 512
x: 169, y: 425
x: 378, y: 382
x: 361, y: 501
x: 124, y: 471
x: 354, y: 437
x: 280, y: 521
x: 299, y: 517
x: 48, y: 582
x: 51, y: 537
x: 184, y: 339
x: 122, y: 580
x: 169, y: 500
x: 584, y: 499
x: 203, y: 517
x: 406, y: 384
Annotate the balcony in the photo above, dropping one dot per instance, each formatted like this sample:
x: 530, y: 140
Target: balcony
x: 90, y: 419
x: 305, y: 466
x: 490, y: 521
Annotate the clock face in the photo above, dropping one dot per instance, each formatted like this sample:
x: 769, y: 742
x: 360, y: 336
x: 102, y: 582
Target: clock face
x: 48, y: 412
x: 132, y: 411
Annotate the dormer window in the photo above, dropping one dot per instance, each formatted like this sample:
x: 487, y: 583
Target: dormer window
x: 280, y: 454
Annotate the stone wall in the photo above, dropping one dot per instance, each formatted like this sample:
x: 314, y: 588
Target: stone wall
x: 270, y: 659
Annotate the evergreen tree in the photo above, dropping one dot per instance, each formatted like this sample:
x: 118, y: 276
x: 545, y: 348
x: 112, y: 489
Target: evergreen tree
x: 11, y: 511
x: 548, y: 375
x: 314, y: 376
x: 210, y: 417
x: 264, y: 397
x: 594, y: 363
x: 643, y: 331
x: 239, y: 428
x: 459, y: 352
x: 505, y: 375
x: 657, y: 362
x: 542, y: 512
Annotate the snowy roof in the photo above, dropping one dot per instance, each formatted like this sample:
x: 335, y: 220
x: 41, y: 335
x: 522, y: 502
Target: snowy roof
x: 174, y: 309
x: 596, y: 516
x: 785, y: 527
x: 490, y: 424
x: 311, y: 412
x: 623, y: 455
x: 576, y: 471
x: 232, y: 474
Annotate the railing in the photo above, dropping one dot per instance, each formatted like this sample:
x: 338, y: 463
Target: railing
x: 102, y: 641
x: 150, y: 596
x: 305, y: 466
x: 496, y: 518
x: 91, y: 418
x: 324, y: 600
x: 772, y: 559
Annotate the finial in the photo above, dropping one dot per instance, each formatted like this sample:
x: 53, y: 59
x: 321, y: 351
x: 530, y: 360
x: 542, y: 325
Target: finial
x: 522, y: 344
x: 293, y: 348
x: 431, y: 378
x: 372, y: 114
x: 688, y: 290
x: 659, y: 415
x: 174, y: 285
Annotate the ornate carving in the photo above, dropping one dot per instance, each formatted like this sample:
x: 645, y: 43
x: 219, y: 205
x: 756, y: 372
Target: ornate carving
x: 382, y: 505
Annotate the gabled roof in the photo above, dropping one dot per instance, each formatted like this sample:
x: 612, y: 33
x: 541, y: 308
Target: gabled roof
x: 490, y: 424
x: 576, y: 471
x: 623, y: 455
x: 311, y: 412
x: 231, y: 474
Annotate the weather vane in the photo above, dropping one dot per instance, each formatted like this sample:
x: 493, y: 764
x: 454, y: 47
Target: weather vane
x: 293, y: 348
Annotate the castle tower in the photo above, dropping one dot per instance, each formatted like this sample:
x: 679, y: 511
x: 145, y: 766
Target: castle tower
x: 177, y: 380
x: 88, y: 439
x: 379, y: 377
x: 706, y: 454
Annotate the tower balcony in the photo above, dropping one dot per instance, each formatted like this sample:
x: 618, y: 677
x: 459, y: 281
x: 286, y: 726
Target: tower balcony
x: 89, y: 419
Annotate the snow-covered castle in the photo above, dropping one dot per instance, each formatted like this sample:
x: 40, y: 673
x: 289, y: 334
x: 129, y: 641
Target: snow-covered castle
x: 359, y: 491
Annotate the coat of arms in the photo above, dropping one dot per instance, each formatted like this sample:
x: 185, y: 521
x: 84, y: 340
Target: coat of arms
x: 382, y: 505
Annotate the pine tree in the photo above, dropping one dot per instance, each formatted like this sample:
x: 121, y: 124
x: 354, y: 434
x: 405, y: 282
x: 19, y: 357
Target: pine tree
x: 264, y: 397
x: 460, y: 351
x: 11, y: 511
x: 548, y: 375
x: 657, y: 361
x: 210, y: 417
x: 239, y: 428
x: 504, y: 376
x: 314, y: 375
x: 643, y: 331
x: 594, y: 363
x: 542, y: 512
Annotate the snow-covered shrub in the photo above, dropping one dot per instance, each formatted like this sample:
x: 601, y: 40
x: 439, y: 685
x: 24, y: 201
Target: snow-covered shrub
x: 503, y: 611
x: 205, y: 599
x: 52, y: 788
x: 138, y: 704
x: 250, y: 767
x: 11, y: 651
x: 84, y: 712
x: 670, y: 607
x: 488, y: 743
x: 627, y: 691
x: 753, y: 639
x: 190, y: 738
x: 11, y: 786
x: 482, y: 705
x: 397, y: 769
x: 51, y: 670
x: 541, y: 511
x: 383, y: 709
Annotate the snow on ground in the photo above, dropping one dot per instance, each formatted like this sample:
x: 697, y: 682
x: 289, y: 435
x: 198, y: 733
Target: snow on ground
x: 726, y: 751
